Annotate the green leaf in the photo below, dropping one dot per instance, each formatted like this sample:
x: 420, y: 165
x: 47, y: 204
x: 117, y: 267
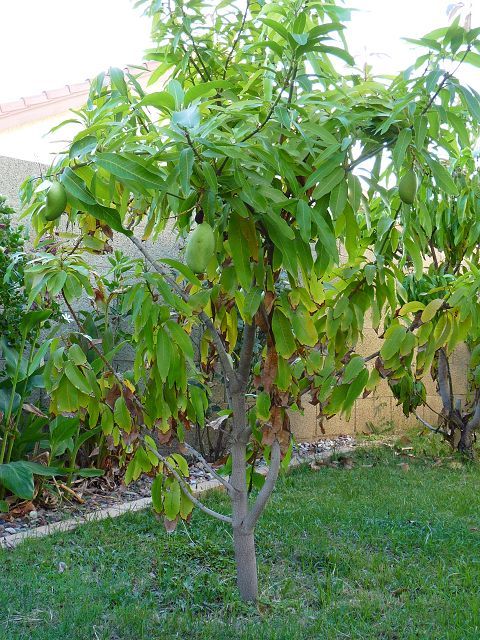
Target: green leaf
x: 163, y: 353
x: 277, y: 27
x: 252, y: 302
x: 121, y: 414
x: 329, y: 182
x: 442, y: 177
x: 76, y: 355
x: 171, y: 501
x: 33, y: 319
x: 203, y: 89
x: 18, y: 479
x: 183, y: 269
x: 160, y: 99
x: 240, y: 250
x: 181, y: 338
x: 82, y: 146
x: 187, y: 118
x: 157, y: 493
x: 210, y: 176
x: 181, y: 463
x: 75, y: 187
x: 355, y: 388
x: 304, y: 327
x: 77, y: 378
x: 352, y: 369
x: 263, y: 406
x: 282, y: 331
x: 400, y: 148
x: 416, y: 256
x: 394, y: 337
x: 118, y: 80
x: 186, y: 506
x: 185, y: 166
x: 411, y: 307
x: 338, y: 199
x: 125, y: 168
x: 304, y: 220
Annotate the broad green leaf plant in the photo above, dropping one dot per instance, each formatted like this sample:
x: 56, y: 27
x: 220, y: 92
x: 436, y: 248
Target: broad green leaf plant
x: 264, y: 129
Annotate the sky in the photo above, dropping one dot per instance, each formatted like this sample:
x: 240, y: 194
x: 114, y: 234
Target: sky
x: 46, y: 44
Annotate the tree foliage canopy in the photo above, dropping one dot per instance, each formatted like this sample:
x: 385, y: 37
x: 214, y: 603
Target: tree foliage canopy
x: 264, y: 128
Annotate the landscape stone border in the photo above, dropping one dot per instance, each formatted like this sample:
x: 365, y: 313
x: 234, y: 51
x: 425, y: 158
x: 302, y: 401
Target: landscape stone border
x: 12, y: 540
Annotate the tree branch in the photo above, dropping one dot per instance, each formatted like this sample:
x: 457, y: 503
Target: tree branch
x: 186, y: 489
x: 442, y: 379
x: 208, y: 467
x: 246, y: 353
x: 217, y: 340
x: 235, y: 42
x: 195, y: 48
x: 446, y: 78
x: 429, y: 426
x: 474, y: 421
x: 268, y: 486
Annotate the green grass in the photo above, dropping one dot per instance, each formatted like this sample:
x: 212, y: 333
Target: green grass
x: 375, y: 552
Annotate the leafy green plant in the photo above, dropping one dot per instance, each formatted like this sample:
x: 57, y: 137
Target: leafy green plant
x: 22, y: 376
x: 12, y: 296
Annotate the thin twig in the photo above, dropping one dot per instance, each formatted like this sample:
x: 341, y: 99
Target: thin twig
x: 264, y: 122
x: 186, y: 489
x: 235, y: 42
x: 208, y: 467
x: 446, y: 78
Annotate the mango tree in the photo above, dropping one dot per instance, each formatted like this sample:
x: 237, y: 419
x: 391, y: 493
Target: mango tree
x: 427, y: 241
x: 248, y: 150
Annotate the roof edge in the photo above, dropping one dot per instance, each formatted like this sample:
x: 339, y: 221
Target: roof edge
x: 53, y: 101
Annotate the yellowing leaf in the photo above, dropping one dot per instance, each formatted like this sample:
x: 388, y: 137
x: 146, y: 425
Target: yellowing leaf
x: 431, y: 309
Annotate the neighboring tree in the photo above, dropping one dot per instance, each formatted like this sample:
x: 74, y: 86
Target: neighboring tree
x: 431, y: 247
x: 249, y: 151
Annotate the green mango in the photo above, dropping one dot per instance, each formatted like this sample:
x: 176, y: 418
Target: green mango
x: 407, y: 187
x: 200, y: 247
x: 56, y: 201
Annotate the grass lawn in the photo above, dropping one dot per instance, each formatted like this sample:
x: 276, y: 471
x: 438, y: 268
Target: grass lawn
x: 373, y: 552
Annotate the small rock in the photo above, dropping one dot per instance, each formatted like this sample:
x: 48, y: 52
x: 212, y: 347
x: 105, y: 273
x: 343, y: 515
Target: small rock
x: 33, y: 515
x: 62, y: 567
x: 10, y: 530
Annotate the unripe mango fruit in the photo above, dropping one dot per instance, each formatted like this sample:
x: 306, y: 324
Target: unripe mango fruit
x: 407, y: 187
x: 56, y: 201
x: 200, y: 247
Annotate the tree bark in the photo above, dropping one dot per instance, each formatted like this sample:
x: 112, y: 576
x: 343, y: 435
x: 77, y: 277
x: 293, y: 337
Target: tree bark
x: 243, y: 538
x: 246, y: 561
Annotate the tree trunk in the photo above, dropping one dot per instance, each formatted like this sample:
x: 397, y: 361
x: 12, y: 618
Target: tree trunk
x: 246, y: 562
x: 243, y: 538
x: 465, y: 443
